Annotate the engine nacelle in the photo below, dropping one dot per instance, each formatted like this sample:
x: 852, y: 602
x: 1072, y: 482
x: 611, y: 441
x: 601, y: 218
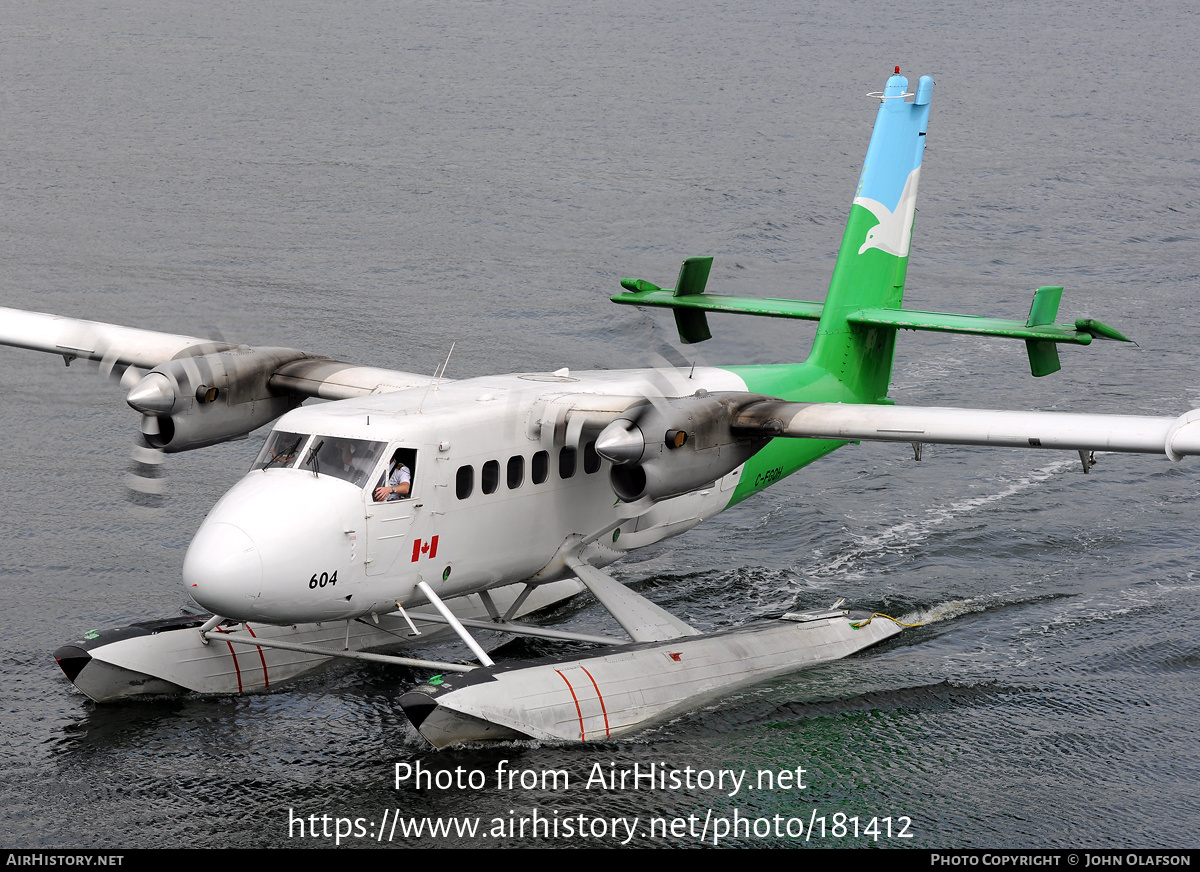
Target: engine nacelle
x: 202, y: 399
x: 670, y: 447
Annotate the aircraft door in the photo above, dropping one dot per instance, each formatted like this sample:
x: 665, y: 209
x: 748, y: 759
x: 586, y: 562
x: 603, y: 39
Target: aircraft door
x: 399, y: 518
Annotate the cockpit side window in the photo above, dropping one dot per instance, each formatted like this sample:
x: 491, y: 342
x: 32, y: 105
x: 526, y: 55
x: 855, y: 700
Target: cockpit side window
x: 351, y: 460
x: 281, y: 449
x: 395, y: 483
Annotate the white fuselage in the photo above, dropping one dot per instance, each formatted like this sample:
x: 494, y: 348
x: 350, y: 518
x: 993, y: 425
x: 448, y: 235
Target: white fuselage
x: 504, y: 483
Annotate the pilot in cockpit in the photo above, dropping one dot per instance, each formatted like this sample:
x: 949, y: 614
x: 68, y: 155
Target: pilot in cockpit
x: 351, y: 460
x: 399, y: 480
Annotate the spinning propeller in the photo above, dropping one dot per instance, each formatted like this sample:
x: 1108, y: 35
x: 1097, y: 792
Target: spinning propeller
x: 677, y: 437
x: 155, y: 394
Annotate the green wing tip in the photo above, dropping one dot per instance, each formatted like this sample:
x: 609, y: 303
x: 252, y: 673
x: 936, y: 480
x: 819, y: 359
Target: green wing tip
x: 639, y: 286
x: 1100, y: 330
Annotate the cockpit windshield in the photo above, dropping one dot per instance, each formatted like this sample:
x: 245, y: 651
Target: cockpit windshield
x: 281, y: 449
x: 351, y: 460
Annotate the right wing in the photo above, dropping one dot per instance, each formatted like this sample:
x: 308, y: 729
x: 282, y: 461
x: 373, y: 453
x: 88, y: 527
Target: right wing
x: 1174, y: 437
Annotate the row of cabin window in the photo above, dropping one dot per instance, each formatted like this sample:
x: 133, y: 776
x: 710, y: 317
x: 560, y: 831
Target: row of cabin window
x: 539, y: 470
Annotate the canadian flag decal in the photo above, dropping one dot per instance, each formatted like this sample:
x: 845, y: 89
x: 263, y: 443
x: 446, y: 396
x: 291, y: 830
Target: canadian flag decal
x: 429, y: 549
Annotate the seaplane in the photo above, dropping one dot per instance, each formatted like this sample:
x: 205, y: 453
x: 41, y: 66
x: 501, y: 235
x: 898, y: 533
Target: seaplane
x: 408, y: 503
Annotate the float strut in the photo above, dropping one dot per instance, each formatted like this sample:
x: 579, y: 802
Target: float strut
x: 517, y: 603
x: 454, y: 624
x: 407, y: 620
x: 209, y: 625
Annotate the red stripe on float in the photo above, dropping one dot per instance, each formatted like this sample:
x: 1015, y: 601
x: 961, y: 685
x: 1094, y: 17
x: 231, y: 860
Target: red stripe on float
x: 600, y: 697
x: 582, y: 736
x: 266, y: 678
x: 233, y: 654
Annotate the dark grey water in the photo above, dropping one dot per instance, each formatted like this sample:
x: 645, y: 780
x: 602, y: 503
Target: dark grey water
x: 376, y: 181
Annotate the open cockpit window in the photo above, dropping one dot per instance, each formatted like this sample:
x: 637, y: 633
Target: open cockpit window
x: 395, y: 483
x: 280, y: 450
x: 351, y: 460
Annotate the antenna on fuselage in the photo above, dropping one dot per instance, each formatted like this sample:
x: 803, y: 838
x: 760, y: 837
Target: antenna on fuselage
x: 436, y: 381
x: 444, y: 365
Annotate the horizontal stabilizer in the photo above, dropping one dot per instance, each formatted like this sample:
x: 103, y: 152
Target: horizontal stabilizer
x: 1039, y: 331
x: 769, y: 307
x: 1038, y: 327
x: 945, y: 322
x: 689, y: 303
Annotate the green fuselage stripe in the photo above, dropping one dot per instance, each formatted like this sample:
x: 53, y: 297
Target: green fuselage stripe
x: 849, y: 363
x: 795, y: 382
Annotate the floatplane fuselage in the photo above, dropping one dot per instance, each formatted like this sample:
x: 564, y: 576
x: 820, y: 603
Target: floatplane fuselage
x: 506, y: 482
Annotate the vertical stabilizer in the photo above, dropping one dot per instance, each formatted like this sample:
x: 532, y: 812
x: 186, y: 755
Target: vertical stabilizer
x: 873, y: 259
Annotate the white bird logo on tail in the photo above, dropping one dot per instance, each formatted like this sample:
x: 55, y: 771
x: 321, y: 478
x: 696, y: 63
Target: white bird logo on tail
x: 893, y: 233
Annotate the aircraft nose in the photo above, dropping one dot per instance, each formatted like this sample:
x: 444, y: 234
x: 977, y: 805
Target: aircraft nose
x: 223, y: 569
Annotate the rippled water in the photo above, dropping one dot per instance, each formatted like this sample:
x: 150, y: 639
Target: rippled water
x: 378, y: 181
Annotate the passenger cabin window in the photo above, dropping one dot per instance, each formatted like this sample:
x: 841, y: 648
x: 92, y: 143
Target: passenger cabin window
x: 566, y: 462
x: 489, y: 476
x: 591, y: 460
x: 464, y: 482
x: 540, y: 467
x: 516, y: 471
x: 351, y: 460
x: 281, y: 449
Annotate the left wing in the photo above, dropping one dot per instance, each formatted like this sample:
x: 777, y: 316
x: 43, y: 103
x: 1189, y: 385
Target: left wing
x: 91, y: 340
x: 194, y: 392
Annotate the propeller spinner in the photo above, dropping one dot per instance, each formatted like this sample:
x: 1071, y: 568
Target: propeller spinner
x: 669, y: 447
